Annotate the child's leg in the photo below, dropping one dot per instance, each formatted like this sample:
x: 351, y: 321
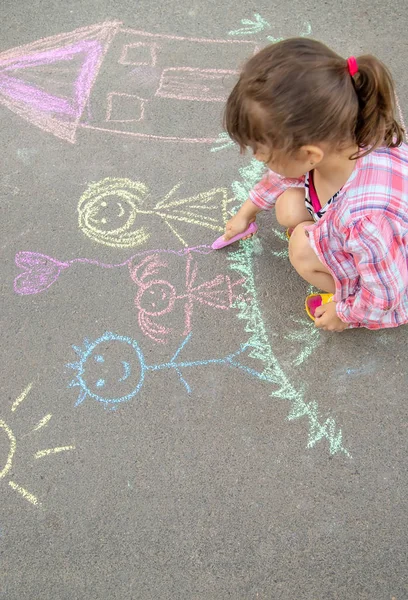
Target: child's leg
x: 290, y: 208
x: 305, y: 261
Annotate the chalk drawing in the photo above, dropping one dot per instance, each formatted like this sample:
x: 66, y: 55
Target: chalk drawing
x: 368, y: 369
x: 251, y: 27
x: 150, y: 271
x: 260, y: 348
x: 12, y: 441
x: 132, y: 368
x: 96, y: 204
x: 24, y: 493
x: 186, y: 83
x: 140, y: 54
x: 250, y: 175
x: 222, y: 142
x: 67, y: 62
x: 258, y: 344
x: 41, y: 271
x: 259, y: 25
x: 281, y: 235
x: 11, y: 451
x: 21, y: 397
x: 49, y: 451
x: 401, y: 116
x: 43, y: 422
x: 308, y: 335
x: 156, y: 297
x: 50, y: 83
x: 125, y: 108
x: 108, y: 212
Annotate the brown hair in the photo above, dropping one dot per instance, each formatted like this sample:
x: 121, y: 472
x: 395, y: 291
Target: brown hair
x: 298, y: 92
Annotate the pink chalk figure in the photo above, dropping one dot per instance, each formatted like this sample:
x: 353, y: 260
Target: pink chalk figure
x: 51, y: 83
x: 156, y: 297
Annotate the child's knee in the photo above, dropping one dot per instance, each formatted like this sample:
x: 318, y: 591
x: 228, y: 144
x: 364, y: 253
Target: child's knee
x: 299, y: 247
x: 290, y: 208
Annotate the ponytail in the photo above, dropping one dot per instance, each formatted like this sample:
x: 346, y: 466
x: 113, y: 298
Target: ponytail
x: 376, y: 120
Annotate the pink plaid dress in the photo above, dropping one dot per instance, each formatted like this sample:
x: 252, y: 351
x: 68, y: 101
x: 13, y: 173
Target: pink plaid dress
x: 362, y: 238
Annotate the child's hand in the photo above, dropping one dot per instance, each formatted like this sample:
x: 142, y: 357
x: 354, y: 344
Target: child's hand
x: 326, y: 318
x: 236, y: 225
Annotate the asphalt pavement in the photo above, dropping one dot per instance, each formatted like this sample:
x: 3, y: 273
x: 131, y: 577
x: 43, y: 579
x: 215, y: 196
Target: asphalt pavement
x: 172, y: 426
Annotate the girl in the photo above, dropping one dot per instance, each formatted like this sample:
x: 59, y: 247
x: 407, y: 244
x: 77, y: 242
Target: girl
x: 337, y: 176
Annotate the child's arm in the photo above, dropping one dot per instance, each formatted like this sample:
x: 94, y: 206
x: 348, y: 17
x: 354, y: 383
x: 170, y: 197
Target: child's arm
x: 240, y: 222
x: 263, y: 196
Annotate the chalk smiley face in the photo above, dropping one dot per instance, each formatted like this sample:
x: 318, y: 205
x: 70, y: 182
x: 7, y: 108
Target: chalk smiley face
x: 107, y: 212
x: 110, y: 370
x: 156, y: 298
x: 111, y: 214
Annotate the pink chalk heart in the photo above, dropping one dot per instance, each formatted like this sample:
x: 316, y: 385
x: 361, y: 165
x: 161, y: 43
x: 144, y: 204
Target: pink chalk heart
x: 39, y: 272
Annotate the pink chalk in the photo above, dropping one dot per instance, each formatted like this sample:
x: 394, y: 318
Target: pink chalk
x: 221, y: 243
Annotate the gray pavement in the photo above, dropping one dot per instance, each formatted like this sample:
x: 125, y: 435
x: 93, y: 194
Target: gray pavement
x: 171, y: 425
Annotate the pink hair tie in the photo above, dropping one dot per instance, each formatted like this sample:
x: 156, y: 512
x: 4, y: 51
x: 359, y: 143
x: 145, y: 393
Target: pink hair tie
x: 352, y: 65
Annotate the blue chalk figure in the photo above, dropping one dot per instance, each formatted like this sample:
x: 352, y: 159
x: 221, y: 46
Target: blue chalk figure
x: 127, y: 372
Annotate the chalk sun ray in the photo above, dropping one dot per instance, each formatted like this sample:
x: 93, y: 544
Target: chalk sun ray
x: 49, y: 451
x: 24, y: 493
x: 21, y: 397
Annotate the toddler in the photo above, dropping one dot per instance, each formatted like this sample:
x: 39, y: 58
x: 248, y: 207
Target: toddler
x: 337, y: 175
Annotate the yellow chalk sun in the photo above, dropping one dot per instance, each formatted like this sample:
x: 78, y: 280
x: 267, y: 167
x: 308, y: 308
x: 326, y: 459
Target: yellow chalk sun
x: 12, y: 443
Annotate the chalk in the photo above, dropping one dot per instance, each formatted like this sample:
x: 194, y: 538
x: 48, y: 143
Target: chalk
x: 221, y: 243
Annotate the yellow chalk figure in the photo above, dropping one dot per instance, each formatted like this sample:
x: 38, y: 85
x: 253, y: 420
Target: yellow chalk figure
x: 108, y: 210
x: 5, y: 468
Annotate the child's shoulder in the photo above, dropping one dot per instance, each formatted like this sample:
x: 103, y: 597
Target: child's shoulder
x: 385, y: 157
x: 384, y: 168
x: 379, y: 184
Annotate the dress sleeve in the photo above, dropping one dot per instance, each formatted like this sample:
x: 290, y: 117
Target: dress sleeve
x: 380, y: 257
x: 265, y: 193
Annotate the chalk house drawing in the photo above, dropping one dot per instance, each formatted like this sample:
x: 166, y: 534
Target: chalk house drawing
x: 6, y: 462
x: 51, y: 83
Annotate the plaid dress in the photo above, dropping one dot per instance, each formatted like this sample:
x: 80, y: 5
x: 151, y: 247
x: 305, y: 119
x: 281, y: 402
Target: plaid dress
x: 362, y: 238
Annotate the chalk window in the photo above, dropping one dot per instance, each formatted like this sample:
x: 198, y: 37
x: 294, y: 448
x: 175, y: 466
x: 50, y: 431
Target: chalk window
x: 124, y: 108
x: 138, y: 54
x: 186, y: 83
